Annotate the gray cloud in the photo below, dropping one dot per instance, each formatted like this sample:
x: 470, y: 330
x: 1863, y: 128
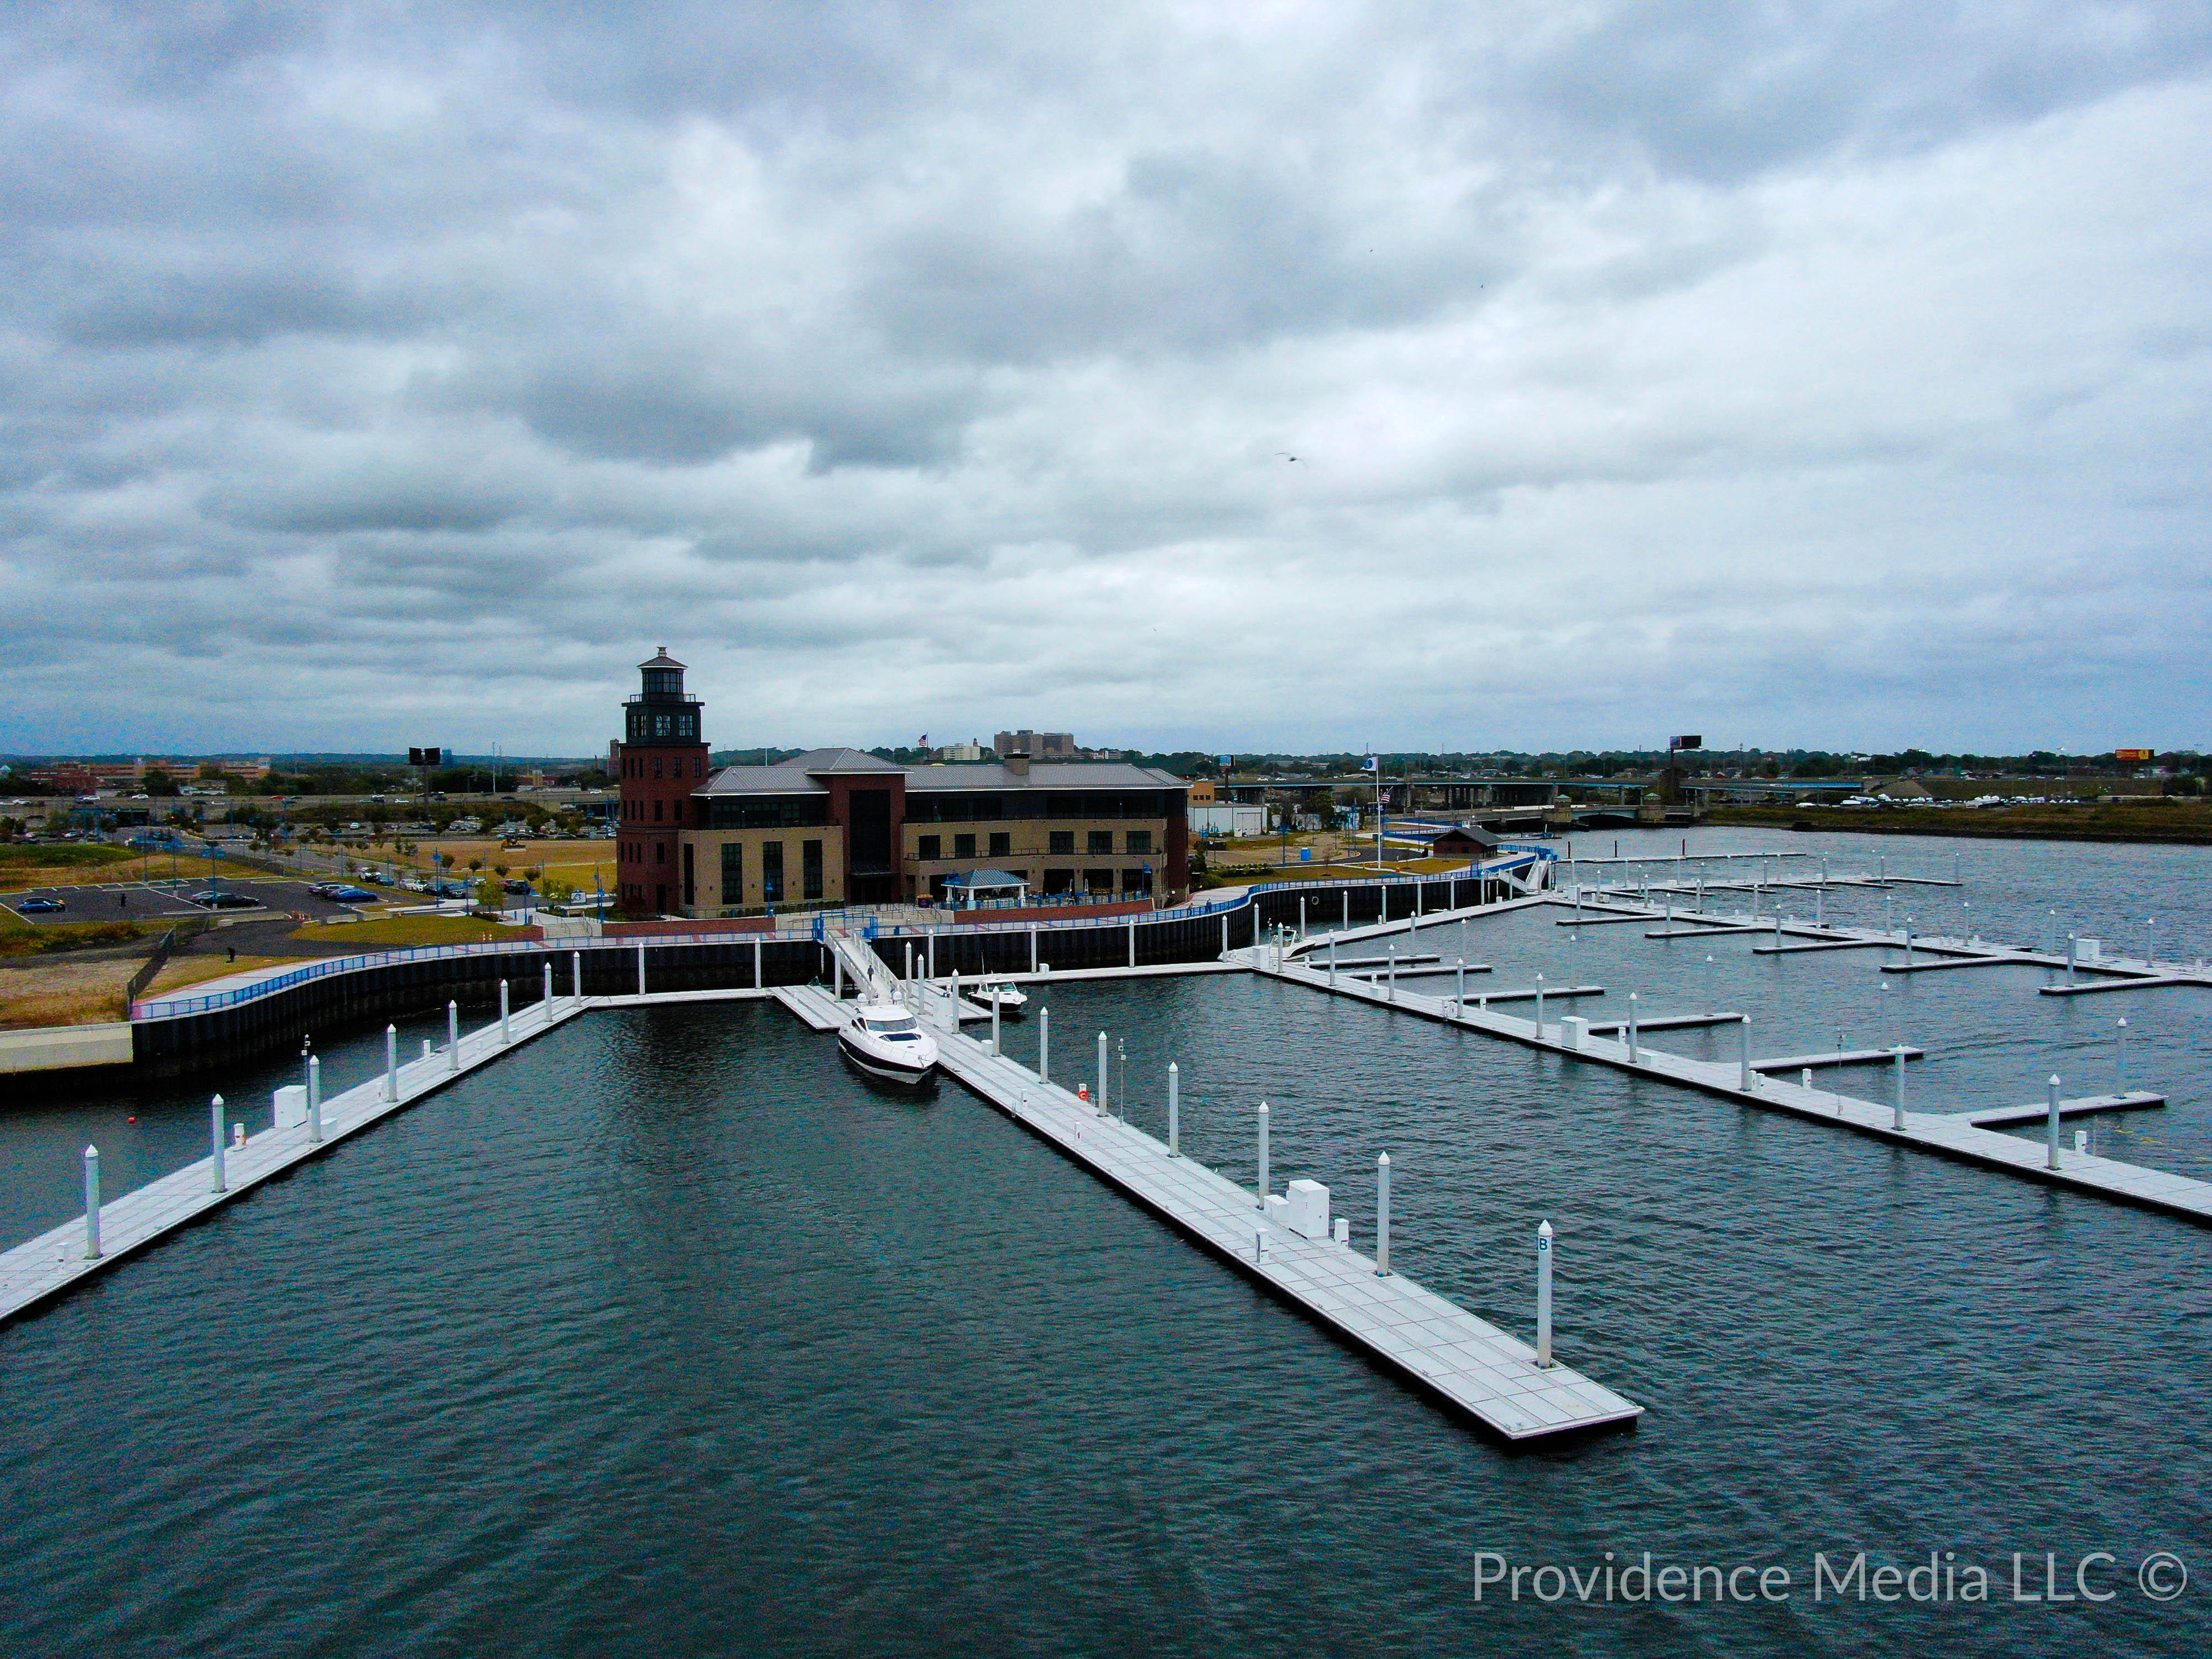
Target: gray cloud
x: 1834, y: 371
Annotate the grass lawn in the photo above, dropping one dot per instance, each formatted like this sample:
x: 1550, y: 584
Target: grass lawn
x: 394, y: 932
x: 28, y: 864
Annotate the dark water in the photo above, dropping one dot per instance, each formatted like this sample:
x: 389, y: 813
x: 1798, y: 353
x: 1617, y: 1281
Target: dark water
x: 667, y: 1335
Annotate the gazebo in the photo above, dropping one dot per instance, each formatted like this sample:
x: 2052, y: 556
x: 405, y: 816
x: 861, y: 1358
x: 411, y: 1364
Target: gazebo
x: 1462, y: 842
x: 966, y: 890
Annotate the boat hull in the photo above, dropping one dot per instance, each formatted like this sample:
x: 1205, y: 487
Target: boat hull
x: 885, y: 1068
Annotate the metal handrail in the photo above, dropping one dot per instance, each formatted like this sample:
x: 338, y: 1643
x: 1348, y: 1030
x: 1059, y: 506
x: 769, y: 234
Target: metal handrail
x: 172, y: 1007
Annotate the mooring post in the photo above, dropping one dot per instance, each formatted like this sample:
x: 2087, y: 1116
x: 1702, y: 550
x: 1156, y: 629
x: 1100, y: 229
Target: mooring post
x: 1175, y: 1110
x: 215, y: 1130
x: 640, y: 970
x: 391, y: 1063
x: 2050, y: 1126
x: 1345, y: 894
x: 1103, y: 1111
x: 1383, y: 1217
x: 1044, y: 1045
x: 994, y: 1021
x: 1394, y: 972
x: 506, y: 1036
x: 547, y: 996
x: 1743, y: 1073
x: 1302, y: 915
x: 1897, y: 1067
x: 2120, y: 1060
x: 1121, y: 1065
x: 1635, y: 1047
x: 1033, y: 932
x: 314, y: 1099
x: 1908, y: 941
x: 576, y: 974
x: 1133, y: 945
x: 453, y: 1036
x: 1539, y: 1006
x: 1459, y: 996
x: 92, y: 1204
x: 757, y: 964
x: 1544, y: 1295
x: 1263, y: 1158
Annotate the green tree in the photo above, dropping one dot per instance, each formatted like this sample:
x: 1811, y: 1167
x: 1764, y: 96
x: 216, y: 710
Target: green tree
x: 488, y: 895
x: 159, y: 783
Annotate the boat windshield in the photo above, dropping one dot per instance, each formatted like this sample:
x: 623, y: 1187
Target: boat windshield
x: 898, y: 1023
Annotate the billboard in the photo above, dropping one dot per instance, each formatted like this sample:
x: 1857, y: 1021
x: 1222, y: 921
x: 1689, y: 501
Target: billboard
x: 426, y: 757
x: 2132, y: 754
x: 1686, y: 742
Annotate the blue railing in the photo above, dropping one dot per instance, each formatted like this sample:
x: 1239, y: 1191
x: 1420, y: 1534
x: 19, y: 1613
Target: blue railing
x: 812, y: 929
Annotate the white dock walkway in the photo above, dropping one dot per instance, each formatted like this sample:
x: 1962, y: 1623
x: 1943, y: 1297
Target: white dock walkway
x: 1950, y: 1135
x: 44, y: 1266
x: 1469, y: 1363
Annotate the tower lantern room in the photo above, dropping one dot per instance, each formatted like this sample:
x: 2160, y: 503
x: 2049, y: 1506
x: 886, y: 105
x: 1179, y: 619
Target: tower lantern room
x: 664, y: 712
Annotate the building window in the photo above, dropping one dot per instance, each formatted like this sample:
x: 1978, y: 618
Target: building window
x: 1136, y: 881
x: 660, y: 852
x: 1098, y: 881
x: 1102, y: 840
x: 1001, y: 843
x: 964, y: 847
x: 656, y: 766
x: 929, y: 846
x: 733, y: 872
x: 771, y: 872
x: 1059, y: 881
x: 1140, y: 840
x: 657, y: 806
x: 810, y: 867
x: 690, y: 885
x: 1063, y: 840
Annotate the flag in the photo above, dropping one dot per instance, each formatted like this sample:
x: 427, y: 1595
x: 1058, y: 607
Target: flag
x: 1369, y: 765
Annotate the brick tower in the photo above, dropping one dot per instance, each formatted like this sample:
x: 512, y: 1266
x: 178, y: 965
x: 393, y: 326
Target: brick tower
x: 664, y: 759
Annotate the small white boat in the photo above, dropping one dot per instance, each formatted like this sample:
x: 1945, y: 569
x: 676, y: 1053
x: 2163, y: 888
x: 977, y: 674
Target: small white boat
x: 885, y: 1040
x: 1011, y: 1001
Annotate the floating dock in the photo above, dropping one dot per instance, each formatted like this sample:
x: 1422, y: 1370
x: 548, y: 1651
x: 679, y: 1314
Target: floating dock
x: 1466, y: 1361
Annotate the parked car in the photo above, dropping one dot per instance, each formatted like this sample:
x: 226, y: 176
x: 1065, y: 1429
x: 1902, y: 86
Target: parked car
x: 41, y: 906
x: 213, y: 900
x: 519, y: 888
x: 352, y: 896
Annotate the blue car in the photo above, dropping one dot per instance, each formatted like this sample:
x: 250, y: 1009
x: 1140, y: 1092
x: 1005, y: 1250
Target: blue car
x: 33, y: 907
x: 352, y: 896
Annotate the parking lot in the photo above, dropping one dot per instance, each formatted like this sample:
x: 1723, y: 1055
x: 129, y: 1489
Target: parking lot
x: 164, y: 900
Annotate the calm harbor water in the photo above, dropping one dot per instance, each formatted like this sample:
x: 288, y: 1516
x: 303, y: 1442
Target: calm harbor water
x: 667, y: 1334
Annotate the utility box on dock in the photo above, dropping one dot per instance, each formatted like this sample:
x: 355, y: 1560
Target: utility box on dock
x: 291, y: 1105
x: 1307, y: 1210
x: 2088, y: 950
x: 1573, y: 1029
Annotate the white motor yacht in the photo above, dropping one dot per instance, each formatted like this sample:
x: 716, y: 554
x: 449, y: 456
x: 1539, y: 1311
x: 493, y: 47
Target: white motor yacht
x: 885, y: 1040
x: 1011, y: 1000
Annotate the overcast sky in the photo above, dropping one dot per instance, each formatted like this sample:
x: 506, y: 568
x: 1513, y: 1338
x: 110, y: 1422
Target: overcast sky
x: 1803, y: 374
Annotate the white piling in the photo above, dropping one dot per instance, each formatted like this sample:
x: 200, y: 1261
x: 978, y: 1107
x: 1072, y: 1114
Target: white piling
x: 547, y: 995
x: 1332, y: 959
x: 1459, y: 996
x: 1908, y: 941
x: 1743, y: 1059
x: 1898, y: 1067
x: 391, y: 1063
x: 1539, y: 1006
x: 1044, y: 1045
x: 506, y: 1034
x: 1383, y: 1216
x: 2120, y: 1060
x: 2072, y: 941
x: 640, y: 971
x: 1132, y: 945
x: 1635, y: 1047
x: 1392, y: 971
x: 576, y: 974
x: 314, y: 1099
x: 1175, y: 1110
x: 1544, y: 1295
x: 1102, y: 1109
x: 92, y: 1204
x: 1805, y: 1077
x: 2080, y: 1143
x: 2050, y: 1126
x: 994, y: 1023
x: 1263, y: 1156
x: 453, y: 1036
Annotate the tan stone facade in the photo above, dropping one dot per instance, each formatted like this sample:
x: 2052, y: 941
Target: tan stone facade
x: 1052, y: 855
x: 806, y: 866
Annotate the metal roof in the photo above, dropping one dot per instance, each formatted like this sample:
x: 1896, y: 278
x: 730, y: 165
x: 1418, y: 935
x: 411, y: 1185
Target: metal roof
x: 804, y: 774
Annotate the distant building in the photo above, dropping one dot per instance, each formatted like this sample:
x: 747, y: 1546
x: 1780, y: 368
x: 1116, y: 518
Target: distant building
x: 1035, y: 745
x: 972, y: 749
x: 837, y: 826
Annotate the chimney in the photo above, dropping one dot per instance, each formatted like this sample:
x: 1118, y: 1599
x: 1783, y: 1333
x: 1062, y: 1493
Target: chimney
x: 1018, y: 765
